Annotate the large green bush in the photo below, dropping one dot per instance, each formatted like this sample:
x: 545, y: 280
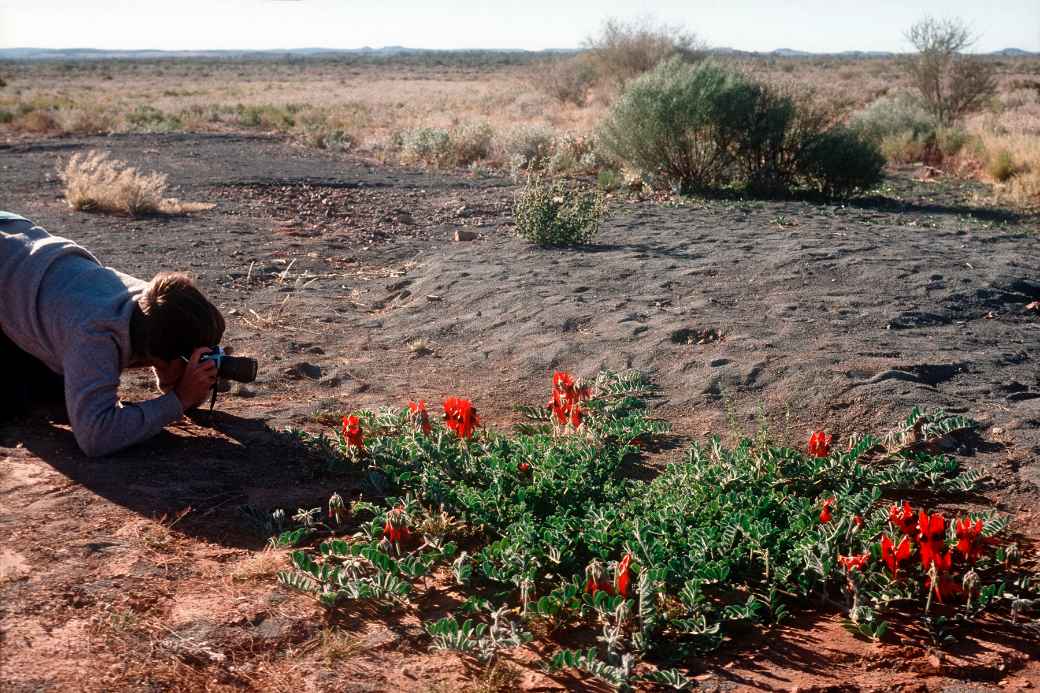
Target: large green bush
x: 838, y: 160
x: 704, y: 126
x: 665, y: 125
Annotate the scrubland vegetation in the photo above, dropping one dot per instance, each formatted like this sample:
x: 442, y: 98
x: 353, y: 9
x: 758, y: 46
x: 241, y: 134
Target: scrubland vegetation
x: 812, y: 122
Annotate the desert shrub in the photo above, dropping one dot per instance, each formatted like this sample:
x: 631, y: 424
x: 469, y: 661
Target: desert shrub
x: 951, y: 83
x: 951, y: 141
x: 425, y: 146
x: 571, y: 154
x: 664, y: 124
x: 567, y: 80
x: 549, y: 213
x: 87, y: 120
x: 93, y: 182
x: 266, y: 117
x: 527, y: 144
x: 151, y: 119
x: 895, y: 115
x: 6, y: 116
x: 903, y: 147
x: 471, y: 142
x: 608, y: 179
x: 460, y: 146
x: 838, y: 162
x: 696, y: 127
x: 36, y: 121
x: 623, y: 50
x: 1001, y: 166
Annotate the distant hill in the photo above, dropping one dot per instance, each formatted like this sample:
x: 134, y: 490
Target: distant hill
x: 387, y: 51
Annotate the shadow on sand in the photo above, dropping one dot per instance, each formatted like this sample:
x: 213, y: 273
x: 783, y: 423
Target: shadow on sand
x: 202, y: 471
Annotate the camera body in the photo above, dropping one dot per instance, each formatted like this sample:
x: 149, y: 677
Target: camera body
x: 241, y: 369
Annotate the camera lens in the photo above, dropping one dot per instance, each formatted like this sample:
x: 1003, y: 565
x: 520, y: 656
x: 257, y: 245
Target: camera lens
x: 238, y: 368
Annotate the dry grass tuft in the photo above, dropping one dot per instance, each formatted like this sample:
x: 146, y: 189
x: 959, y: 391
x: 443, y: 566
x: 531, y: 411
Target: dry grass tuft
x: 337, y: 646
x: 497, y: 678
x: 262, y: 565
x: 95, y: 183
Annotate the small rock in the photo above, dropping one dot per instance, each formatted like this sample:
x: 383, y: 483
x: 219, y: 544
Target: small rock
x: 465, y: 235
x: 715, y: 363
x: 303, y: 370
x: 233, y: 311
x: 315, y: 350
x: 244, y: 391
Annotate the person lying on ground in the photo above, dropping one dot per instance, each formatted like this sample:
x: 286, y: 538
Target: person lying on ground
x: 69, y: 326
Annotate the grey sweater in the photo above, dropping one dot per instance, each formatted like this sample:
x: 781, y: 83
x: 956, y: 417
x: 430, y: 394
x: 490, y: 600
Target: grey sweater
x: 58, y: 303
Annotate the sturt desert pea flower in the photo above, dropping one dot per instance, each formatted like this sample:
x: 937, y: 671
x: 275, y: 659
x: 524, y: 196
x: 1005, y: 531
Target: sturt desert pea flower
x: 819, y: 444
x: 825, y: 514
x: 945, y: 585
x: 419, y: 416
x: 970, y: 541
x: 396, y: 528
x: 893, y: 556
x: 854, y: 562
x: 623, y: 579
x: 595, y: 579
x: 904, y: 519
x: 933, y: 537
x: 566, y: 399
x: 337, y: 508
x: 352, y: 433
x: 460, y: 416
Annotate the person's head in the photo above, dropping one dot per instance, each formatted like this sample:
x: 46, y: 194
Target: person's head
x: 173, y: 319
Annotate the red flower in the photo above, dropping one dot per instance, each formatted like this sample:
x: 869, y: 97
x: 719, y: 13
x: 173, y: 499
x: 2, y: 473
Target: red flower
x: 933, y: 537
x: 396, y: 527
x: 460, y: 416
x: 905, y: 519
x: 854, y: 562
x: 596, y: 579
x: 970, y: 541
x: 566, y: 398
x: 825, y: 514
x: 819, y: 444
x: 945, y: 586
x: 893, y: 558
x: 624, y: 575
x: 858, y: 520
x: 352, y: 433
x: 523, y: 467
x: 419, y: 415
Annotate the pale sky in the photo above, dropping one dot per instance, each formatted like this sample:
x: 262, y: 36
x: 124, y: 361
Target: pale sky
x: 809, y: 25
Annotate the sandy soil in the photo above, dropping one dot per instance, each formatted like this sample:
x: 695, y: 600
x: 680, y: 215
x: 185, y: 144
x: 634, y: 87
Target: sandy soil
x: 139, y: 572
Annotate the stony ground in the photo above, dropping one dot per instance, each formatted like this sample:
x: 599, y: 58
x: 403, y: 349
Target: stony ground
x: 139, y: 572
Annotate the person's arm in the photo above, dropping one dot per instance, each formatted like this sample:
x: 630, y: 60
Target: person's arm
x: 100, y: 422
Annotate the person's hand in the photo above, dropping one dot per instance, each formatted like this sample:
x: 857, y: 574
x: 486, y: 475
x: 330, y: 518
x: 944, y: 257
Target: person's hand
x: 197, y: 381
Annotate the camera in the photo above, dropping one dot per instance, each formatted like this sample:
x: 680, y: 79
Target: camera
x: 241, y: 369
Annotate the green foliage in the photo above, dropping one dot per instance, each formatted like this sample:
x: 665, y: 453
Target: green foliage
x: 151, y: 119
x: 460, y: 146
x: 895, y: 115
x: 724, y: 539
x: 549, y: 213
x: 705, y: 126
x: 838, y: 162
x: 1001, y: 166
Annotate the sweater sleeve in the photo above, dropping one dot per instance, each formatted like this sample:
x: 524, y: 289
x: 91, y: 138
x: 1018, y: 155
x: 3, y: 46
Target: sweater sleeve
x: 100, y: 422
